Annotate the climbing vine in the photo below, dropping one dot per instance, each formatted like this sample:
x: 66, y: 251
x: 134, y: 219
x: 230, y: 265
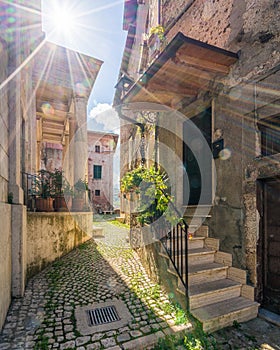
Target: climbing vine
x: 152, y: 187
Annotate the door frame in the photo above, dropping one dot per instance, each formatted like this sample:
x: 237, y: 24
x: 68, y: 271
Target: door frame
x: 262, y: 241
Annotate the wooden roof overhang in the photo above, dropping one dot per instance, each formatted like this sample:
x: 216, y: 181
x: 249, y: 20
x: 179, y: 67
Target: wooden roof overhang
x: 59, y: 74
x: 182, y: 70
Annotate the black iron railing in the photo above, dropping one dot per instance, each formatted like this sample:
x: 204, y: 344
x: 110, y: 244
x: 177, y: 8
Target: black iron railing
x: 28, y: 185
x: 176, y: 247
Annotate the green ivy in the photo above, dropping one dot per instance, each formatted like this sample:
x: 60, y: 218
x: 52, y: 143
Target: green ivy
x: 152, y: 186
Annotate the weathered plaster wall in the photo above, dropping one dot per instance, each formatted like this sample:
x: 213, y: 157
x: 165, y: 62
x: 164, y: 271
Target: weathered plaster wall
x: 5, y: 261
x: 52, y: 235
x: 235, y: 215
x: 227, y: 217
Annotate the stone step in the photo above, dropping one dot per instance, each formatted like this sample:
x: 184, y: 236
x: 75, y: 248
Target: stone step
x: 196, y: 242
x: 197, y: 256
x: 212, y: 292
x: 193, y: 243
x: 204, y: 273
x: 120, y: 219
x: 200, y: 256
x: 224, y: 313
x: 212, y: 243
x: 97, y: 231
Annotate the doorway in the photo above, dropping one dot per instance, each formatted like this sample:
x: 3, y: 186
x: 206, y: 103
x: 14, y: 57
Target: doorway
x: 269, y: 257
x: 193, y: 179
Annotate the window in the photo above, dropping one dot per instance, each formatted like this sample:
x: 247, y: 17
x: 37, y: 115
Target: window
x: 97, y: 193
x: 97, y: 171
x: 270, y: 135
x: 97, y: 149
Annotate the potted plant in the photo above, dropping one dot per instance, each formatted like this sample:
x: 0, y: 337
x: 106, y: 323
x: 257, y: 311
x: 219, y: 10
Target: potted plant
x: 62, y: 191
x: 80, y: 189
x: 43, y: 191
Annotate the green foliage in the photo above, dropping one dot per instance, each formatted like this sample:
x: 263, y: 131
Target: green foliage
x: 42, y: 185
x: 80, y: 187
x: 169, y: 343
x: 50, y: 184
x: 42, y: 342
x: 152, y: 186
x: 199, y: 340
x: 119, y: 224
x: 60, y: 184
x: 236, y: 324
x: 195, y: 340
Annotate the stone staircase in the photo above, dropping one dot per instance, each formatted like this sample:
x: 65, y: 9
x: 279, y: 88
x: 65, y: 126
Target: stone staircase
x: 218, y: 293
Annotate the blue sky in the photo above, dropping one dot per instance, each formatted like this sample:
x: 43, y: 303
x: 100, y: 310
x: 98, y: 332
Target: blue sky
x: 94, y: 28
x: 97, y: 31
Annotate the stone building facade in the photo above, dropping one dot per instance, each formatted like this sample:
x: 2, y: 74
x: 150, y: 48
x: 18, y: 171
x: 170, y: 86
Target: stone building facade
x: 17, y: 140
x: 218, y: 66
x: 101, y: 150
x: 38, y: 102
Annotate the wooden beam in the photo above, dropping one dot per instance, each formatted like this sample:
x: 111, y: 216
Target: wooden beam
x: 57, y: 105
x: 52, y: 131
x: 48, y: 124
x: 51, y: 140
x: 51, y: 117
x: 201, y: 63
x: 169, y: 88
x: 39, y: 130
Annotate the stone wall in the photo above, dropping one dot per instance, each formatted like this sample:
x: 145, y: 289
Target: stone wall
x: 52, y: 235
x: 204, y: 20
x: 5, y: 209
x: 4, y: 121
x: 5, y: 261
x: 249, y: 93
x: 143, y: 241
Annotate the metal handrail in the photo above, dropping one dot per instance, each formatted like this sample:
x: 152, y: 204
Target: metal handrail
x: 28, y: 182
x: 175, y: 244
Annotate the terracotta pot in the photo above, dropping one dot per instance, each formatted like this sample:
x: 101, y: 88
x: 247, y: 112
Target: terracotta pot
x: 78, y: 204
x: 62, y: 203
x: 44, y: 204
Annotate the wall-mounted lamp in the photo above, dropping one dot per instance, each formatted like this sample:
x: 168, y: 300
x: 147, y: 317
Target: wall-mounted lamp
x: 217, y: 147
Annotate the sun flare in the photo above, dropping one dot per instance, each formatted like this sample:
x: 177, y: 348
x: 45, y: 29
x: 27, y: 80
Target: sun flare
x: 63, y: 20
x: 60, y: 19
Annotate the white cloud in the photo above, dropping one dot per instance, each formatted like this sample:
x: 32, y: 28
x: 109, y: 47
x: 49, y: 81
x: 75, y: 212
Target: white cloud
x: 105, y: 114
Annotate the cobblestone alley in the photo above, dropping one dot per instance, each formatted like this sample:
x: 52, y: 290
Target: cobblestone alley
x: 103, y: 270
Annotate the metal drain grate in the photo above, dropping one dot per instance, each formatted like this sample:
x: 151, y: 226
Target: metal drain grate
x: 102, y: 315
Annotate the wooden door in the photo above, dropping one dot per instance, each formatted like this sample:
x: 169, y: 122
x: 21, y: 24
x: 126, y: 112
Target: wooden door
x: 192, y: 180
x: 271, y: 245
